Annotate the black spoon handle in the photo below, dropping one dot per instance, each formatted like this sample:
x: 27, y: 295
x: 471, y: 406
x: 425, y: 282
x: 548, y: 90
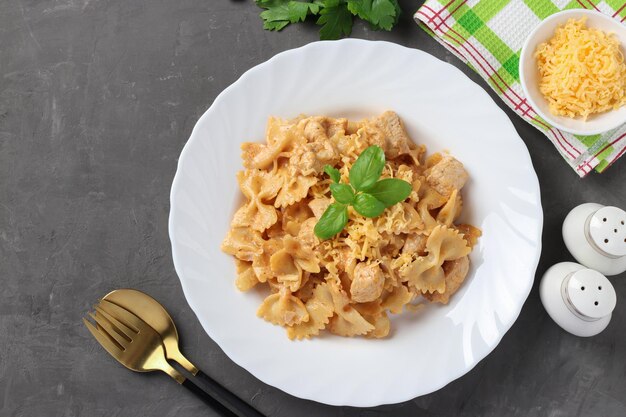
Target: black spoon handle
x: 234, y: 405
x: 216, y: 405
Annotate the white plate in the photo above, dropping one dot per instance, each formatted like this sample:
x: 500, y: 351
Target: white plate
x: 442, y: 109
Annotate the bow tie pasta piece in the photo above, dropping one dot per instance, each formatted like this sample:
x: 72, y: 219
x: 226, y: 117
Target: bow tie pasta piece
x: 283, y: 309
x: 425, y: 273
x: 347, y: 321
x: 288, y: 263
x: 257, y: 186
x: 429, y: 199
x: 294, y: 216
x: 303, y: 256
x: 261, y: 262
x: 286, y: 270
x: 391, y: 245
x: 470, y: 233
x: 320, y: 308
x: 396, y: 299
x: 381, y: 323
x: 426, y: 276
x: 246, y: 278
x: 348, y: 284
x: 374, y: 314
x: 350, y: 323
x: 451, y: 210
x: 309, y: 283
x: 455, y: 273
x: 243, y: 243
x: 293, y: 189
x: 371, y: 308
x: 280, y: 139
x: 449, y: 243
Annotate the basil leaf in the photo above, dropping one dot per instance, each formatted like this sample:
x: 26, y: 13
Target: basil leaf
x: 367, y: 205
x: 390, y: 191
x: 332, y: 221
x: 333, y: 173
x: 342, y: 192
x: 367, y: 168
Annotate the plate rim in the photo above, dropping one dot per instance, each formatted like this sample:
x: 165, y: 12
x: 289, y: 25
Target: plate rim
x: 361, y: 42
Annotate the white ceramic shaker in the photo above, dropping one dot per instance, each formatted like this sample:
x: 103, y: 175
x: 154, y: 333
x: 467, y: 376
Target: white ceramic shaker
x: 596, y: 236
x: 578, y: 299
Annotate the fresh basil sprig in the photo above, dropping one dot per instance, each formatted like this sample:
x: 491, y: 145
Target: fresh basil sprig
x: 368, y: 195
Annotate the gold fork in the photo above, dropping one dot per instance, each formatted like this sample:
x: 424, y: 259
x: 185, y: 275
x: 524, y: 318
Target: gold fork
x: 139, y: 347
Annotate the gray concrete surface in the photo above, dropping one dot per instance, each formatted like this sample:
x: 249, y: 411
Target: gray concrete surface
x: 97, y: 98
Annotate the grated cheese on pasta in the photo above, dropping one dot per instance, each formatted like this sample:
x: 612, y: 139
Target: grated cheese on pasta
x: 582, y: 71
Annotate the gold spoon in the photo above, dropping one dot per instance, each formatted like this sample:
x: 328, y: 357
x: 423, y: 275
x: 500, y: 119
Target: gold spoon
x: 156, y: 316
x: 137, y: 346
x: 153, y: 313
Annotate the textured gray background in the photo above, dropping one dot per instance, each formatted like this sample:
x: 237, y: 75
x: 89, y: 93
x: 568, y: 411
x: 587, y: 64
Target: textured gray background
x: 97, y: 98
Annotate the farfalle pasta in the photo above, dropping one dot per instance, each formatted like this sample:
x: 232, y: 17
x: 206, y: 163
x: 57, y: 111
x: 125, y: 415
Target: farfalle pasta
x: 350, y: 284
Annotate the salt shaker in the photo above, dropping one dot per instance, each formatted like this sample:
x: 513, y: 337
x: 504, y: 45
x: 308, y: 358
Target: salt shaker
x: 596, y: 236
x: 578, y: 299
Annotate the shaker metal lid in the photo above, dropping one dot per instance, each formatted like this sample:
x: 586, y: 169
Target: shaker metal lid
x: 578, y: 299
x: 589, y: 294
x: 607, y: 229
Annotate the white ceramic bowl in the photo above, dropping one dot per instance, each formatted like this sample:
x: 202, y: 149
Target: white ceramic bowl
x: 529, y: 74
x: 442, y: 109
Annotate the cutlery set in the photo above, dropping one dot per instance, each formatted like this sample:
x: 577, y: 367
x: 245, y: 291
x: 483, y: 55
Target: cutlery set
x: 139, y: 333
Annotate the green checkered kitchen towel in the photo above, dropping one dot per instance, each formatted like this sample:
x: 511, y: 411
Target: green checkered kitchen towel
x: 488, y: 35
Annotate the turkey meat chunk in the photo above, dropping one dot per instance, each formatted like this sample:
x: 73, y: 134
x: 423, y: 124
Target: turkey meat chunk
x: 396, y: 140
x: 447, y: 175
x: 367, y: 283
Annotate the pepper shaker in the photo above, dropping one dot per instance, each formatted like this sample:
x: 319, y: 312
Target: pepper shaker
x: 596, y: 236
x: 578, y: 299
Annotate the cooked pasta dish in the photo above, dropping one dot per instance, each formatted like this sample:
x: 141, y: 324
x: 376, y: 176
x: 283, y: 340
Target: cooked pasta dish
x: 400, y: 253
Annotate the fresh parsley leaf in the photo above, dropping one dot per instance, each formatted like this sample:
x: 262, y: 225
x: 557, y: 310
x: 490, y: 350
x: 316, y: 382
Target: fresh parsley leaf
x: 298, y: 10
x: 280, y: 13
x: 367, y: 168
x: 367, y: 205
x: 275, y: 25
x: 335, y: 19
x: 332, y: 221
x: 343, y: 193
x: 333, y: 173
x: 390, y: 191
x: 396, y: 6
x: 276, y: 16
x: 380, y: 13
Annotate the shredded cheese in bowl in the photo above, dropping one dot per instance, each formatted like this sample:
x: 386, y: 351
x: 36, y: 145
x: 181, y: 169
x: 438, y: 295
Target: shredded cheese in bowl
x: 582, y: 71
